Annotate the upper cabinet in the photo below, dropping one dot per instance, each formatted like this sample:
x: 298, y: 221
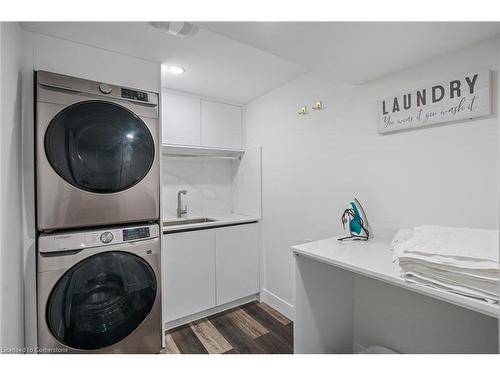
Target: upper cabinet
x: 180, y: 119
x: 192, y: 121
x: 220, y: 125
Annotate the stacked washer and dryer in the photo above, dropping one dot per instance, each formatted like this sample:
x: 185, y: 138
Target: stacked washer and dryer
x: 97, y: 199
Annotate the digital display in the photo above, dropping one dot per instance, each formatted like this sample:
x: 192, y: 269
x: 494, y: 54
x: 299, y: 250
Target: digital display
x: 135, y: 234
x: 135, y: 95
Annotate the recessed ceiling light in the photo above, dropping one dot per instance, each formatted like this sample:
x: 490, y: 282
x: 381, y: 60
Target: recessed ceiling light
x: 174, y: 69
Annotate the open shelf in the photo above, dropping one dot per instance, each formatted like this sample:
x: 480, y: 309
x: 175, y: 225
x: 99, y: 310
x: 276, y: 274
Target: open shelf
x: 199, y: 151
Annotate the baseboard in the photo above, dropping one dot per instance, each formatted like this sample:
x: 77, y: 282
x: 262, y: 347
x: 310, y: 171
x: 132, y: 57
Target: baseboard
x: 205, y: 313
x: 277, y: 303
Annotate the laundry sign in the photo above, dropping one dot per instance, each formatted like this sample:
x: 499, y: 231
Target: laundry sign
x: 465, y: 96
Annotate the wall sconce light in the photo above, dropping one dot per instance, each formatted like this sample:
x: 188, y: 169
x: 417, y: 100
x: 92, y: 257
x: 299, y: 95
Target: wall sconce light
x: 318, y: 106
x: 303, y: 111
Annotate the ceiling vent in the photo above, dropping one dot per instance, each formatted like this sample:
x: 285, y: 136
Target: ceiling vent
x: 182, y: 29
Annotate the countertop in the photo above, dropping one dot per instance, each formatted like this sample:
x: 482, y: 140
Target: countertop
x: 373, y: 259
x: 221, y: 220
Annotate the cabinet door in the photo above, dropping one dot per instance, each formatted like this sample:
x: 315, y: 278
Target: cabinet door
x: 188, y: 273
x: 220, y: 125
x: 180, y: 119
x: 237, y: 262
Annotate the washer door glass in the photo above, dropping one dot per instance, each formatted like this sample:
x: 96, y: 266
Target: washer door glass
x: 99, y: 146
x: 101, y: 300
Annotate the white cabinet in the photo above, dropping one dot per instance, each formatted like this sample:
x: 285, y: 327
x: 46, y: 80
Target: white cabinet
x: 237, y: 262
x: 208, y: 268
x: 180, y: 119
x: 192, y: 121
x: 221, y: 125
x: 188, y: 273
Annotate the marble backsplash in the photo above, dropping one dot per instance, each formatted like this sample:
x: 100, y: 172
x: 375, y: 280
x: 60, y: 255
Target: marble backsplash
x: 208, y: 181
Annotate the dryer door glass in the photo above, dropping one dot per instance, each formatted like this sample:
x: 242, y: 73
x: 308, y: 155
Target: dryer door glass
x: 99, y: 146
x: 101, y: 300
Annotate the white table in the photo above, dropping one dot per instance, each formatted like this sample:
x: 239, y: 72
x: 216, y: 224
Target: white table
x: 332, y: 278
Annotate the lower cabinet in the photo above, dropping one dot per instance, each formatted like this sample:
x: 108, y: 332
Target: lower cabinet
x: 237, y: 262
x: 207, y: 268
x: 188, y: 273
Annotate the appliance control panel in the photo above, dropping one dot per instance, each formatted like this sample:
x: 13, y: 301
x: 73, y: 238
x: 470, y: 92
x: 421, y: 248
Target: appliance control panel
x: 134, y: 95
x: 78, y: 240
x: 135, y: 233
x: 49, y: 81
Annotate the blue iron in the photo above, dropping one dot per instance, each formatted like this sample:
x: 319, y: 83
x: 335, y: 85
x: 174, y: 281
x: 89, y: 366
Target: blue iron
x: 355, y: 222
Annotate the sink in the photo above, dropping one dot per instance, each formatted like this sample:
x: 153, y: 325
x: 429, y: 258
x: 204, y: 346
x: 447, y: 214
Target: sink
x: 200, y: 220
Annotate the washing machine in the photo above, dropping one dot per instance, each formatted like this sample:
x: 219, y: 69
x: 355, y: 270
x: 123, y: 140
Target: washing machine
x: 97, y: 153
x: 98, y: 291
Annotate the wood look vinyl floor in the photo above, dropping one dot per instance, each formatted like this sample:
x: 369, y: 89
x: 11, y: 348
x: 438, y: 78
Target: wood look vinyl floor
x: 254, y: 328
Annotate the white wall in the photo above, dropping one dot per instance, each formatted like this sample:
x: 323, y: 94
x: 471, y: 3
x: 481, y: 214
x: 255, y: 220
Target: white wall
x: 498, y: 181
x: 313, y: 165
x: 410, y: 322
x: 42, y: 52
x: 11, y: 254
x: 84, y: 61
x: 1, y: 182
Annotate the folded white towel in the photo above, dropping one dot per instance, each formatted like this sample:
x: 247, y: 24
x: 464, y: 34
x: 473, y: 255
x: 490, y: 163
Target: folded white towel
x: 456, y: 260
x: 401, y: 236
x: 457, y: 289
x: 481, y: 284
x: 447, y: 263
x: 458, y: 243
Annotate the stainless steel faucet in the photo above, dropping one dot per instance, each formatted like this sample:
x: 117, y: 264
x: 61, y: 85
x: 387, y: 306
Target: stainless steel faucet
x: 181, y: 211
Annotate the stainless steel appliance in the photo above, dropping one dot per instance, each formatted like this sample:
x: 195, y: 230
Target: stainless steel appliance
x: 99, y: 291
x: 97, y: 153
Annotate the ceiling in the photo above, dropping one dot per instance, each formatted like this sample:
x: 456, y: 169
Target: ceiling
x: 216, y: 66
x: 356, y: 52
x: 240, y: 61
